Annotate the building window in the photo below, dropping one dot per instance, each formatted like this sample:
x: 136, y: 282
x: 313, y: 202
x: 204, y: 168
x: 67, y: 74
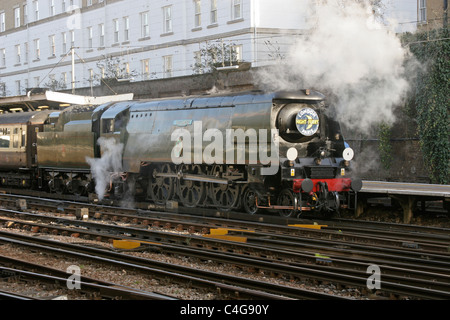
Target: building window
x: 422, y: 11
x: 72, y: 39
x: 145, y: 65
x: 2, y: 58
x: 37, y: 49
x: 52, y: 8
x: 198, y: 13
x: 126, y: 33
x: 17, y: 17
x: 25, y: 13
x: 18, y: 87
x: 213, y: 16
x: 237, y: 9
x: 26, y: 52
x: 64, y: 42
x: 64, y: 79
x: 145, y: 28
x: 167, y: 61
x: 167, y: 12
x: 116, y: 30
x: 101, y: 31
x: 2, y: 22
x: 36, y: 10
x: 51, y: 40
x: 237, y: 53
x: 90, y: 37
x: 18, y: 54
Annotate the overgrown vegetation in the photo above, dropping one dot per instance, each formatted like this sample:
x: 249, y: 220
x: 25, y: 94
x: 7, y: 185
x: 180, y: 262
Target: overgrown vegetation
x: 429, y: 101
x: 385, y: 147
x: 111, y: 70
x: 213, y: 55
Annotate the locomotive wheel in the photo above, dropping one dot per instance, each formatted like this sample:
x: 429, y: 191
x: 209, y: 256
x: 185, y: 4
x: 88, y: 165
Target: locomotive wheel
x: 77, y: 186
x: 287, y: 198
x: 249, y: 201
x: 161, y: 189
x: 56, y: 185
x: 191, y: 193
x: 224, y: 196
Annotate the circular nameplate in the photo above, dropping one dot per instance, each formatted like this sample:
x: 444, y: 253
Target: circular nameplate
x: 307, y: 122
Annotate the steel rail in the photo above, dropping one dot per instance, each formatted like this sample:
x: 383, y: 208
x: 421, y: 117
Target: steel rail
x: 127, y: 292
x: 339, y: 233
x: 428, y: 259
x: 6, y: 295
x: 342, y: 276
x: 215, y: 217
x: 219, y: 282
x: 110, y: 290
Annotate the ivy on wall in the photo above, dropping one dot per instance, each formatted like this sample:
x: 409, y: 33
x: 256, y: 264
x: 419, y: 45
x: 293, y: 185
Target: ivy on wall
x: 430, y: 101
x: 384, y: 146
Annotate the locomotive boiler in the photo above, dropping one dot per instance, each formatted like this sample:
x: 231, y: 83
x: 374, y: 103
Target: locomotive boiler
x: 246, y: 151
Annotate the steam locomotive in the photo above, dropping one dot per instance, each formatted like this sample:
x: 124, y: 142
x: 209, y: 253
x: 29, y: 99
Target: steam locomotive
x: 251, y: 151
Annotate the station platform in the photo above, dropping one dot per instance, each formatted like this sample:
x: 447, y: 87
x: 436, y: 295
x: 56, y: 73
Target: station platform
x: 407, y: 194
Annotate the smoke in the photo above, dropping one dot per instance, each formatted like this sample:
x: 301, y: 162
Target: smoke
x: 352, y: 57
x: 105, y: 167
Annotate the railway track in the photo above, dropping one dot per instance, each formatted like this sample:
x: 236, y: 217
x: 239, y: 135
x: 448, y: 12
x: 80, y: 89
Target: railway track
x: 91, y: 288
x: 229, y: 286
x: 394, y: 235
x: 418, y: 272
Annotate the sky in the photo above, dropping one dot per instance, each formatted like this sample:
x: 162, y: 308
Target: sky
x: 404, y: 12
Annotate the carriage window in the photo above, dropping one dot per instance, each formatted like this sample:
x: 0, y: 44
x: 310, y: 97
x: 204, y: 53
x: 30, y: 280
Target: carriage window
x: 15, y: 141
x: 4, y: 138
x: 23, y: 138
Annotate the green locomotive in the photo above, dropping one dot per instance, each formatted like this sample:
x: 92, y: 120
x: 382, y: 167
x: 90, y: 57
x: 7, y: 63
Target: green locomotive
x: 251, y: 151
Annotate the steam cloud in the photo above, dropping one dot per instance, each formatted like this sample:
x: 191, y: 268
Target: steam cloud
x: 351, y: 56
x: 110, y: 162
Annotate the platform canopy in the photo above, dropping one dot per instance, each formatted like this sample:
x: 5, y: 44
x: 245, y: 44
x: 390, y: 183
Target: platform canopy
x: 46, y: 99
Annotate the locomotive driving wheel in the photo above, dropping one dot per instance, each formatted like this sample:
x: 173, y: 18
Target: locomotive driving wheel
x: 224, y: 196
x: 161, y: 188
x: 287, y: 198
x: 191, y: 193
x: 249, y: 201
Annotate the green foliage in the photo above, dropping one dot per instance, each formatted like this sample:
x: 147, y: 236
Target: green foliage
x: 213, y: 55
x: 111, y: 70
x: 431, y: 101
x: 385, y: 147
x: 56, y: 85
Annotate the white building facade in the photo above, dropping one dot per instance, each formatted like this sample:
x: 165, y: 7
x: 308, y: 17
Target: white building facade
x: 69, y: 43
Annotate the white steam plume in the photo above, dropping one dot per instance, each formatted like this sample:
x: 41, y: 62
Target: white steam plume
x: 350, y: 55
x: 109, y: 163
